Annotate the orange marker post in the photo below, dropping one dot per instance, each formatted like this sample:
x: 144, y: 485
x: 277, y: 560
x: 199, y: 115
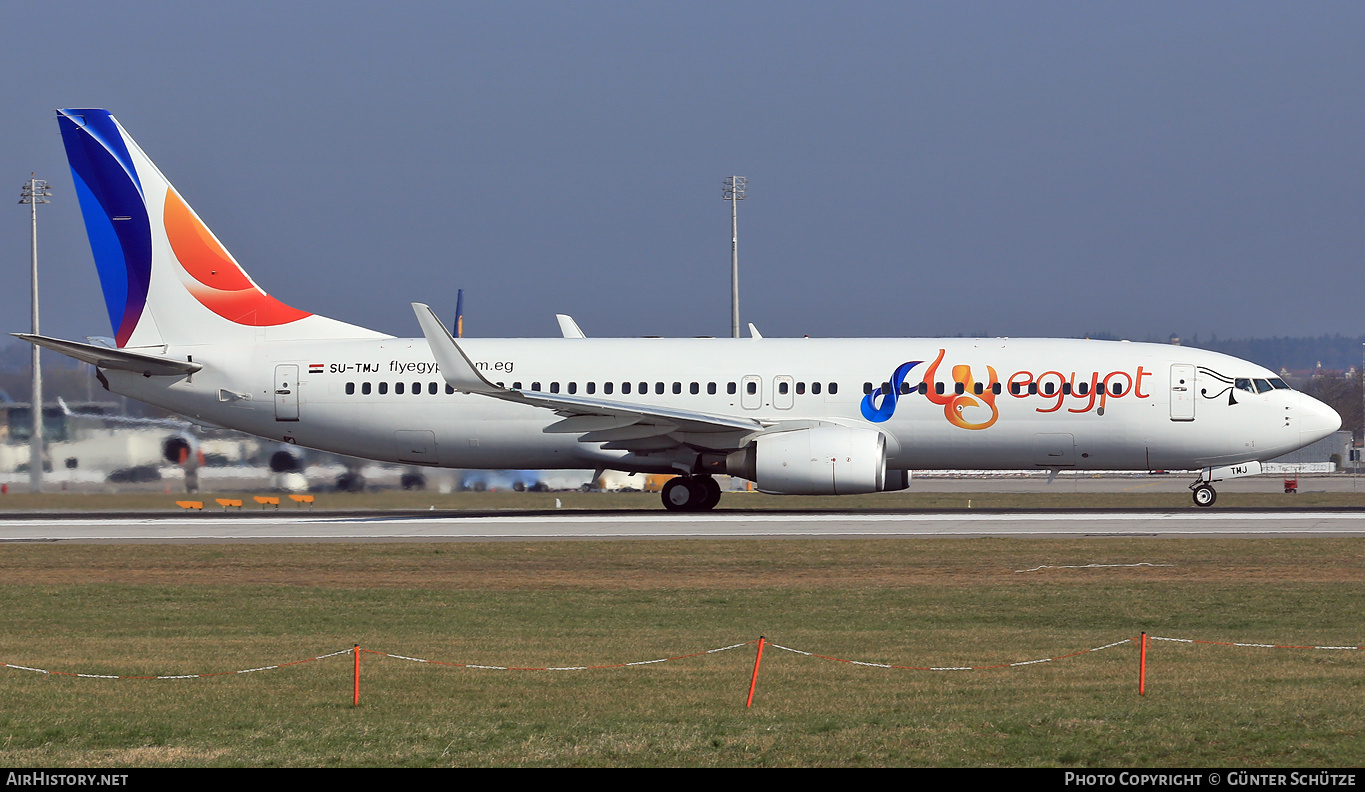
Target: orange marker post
x: 1142, y: 668
x: 355, y: 690
x: 754, y: 682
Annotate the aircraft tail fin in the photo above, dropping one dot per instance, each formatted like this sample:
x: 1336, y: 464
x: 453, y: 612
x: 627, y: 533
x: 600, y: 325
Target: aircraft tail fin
x: 166, y: 278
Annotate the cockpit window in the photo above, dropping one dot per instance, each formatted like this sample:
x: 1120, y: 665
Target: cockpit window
x: 1262, y: 386
x: 1278, y: 384
x: 1244, y: 383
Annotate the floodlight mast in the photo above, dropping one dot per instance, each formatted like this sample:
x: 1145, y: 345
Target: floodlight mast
x: 733, y: 191
x: 34, y: 192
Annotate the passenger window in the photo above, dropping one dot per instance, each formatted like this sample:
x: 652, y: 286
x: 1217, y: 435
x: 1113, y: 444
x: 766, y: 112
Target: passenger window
x: 350, y: 388
x: 535, y: 386
x: 515, y: 386
x: 695, y: 388
x: 677, y: 387
x: 751, y: 387
x: 730, y: 388
x: 625, y: 387
x: 783, y: 387
x: 884, y: 388
x: 1014, y: 388
x: 711, y: 388
x: 867, y: 388
x: 573, y: 387
x: 815, y: 388
x: 1066, y: 388
x: 996, y: 389
x: 1082, y: 388
x: 416, y: 389
x: 365, y: 389
x: 658, y: 388
x: 644, y: 388
x: 383, y: 388
x: 1048, y: 388
x: 980, y: 389
x: 1033, y: 389
x: 1117, y: 389
x: 554, y: 387
x: 906, y: 388
x: 398, y: 387
x: 800, y: 388
x: 608, y: 387
x: 451, y: 388
x: 592, y: 388
x: 938, y: 388
x: 433, y: 387
x: 833, y: 388
x: 1262, y: 386
x: 923, y: 389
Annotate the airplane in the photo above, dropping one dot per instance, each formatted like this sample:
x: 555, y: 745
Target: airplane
x: 798, y: 416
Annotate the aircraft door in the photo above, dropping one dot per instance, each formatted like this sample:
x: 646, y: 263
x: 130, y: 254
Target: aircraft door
x: 751, y: 392
x: 783, y: 389
x: 416, y: 445
x: 287, y: 392
x: 1182, y: 392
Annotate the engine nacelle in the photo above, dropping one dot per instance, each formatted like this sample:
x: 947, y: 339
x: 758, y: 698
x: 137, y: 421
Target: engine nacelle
x: 825, y: 460
x: 285, y: 462
x: 179, y: 449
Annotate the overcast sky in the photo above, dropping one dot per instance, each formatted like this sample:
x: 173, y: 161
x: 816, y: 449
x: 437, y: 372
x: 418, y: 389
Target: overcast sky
x: 914, y: 168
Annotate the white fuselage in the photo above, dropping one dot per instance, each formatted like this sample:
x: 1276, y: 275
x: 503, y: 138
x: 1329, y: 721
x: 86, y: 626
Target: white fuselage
x: 1093, y: 405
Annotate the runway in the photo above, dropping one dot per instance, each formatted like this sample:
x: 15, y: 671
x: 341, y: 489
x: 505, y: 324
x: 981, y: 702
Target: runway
x: 550, y: 526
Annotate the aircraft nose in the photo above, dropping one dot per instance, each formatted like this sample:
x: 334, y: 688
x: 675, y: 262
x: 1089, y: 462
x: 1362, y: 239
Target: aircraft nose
x: 1317, y: 420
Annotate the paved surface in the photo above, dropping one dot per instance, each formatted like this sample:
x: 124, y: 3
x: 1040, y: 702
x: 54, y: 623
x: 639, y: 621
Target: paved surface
x: 662, y: 525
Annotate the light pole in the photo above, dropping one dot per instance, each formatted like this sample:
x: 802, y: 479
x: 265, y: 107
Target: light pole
x: 35, y: 192
x: 733, y: 191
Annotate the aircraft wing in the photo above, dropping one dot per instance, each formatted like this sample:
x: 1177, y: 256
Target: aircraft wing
x: 617, y: 425
x: 105, y: 357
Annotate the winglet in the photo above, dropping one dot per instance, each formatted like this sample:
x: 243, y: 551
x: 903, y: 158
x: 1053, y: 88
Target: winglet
x: 456, y: 367
x: 568, y: 327
x: 753, y: 331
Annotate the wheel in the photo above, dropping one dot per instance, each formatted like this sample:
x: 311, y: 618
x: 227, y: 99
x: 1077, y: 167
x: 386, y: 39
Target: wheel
x: 680, y: 494
x: 711, y: 493
x: 1204, y: 495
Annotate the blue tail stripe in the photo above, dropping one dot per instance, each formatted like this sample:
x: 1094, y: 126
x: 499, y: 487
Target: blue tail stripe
x: 109, y: 188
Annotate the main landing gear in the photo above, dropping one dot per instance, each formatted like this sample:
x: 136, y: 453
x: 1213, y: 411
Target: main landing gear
x: 691, y: 493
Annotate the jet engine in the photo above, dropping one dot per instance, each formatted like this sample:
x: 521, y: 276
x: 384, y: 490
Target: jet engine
x: 825, y: 460
x: 183, y: 450
x: 283, y: 461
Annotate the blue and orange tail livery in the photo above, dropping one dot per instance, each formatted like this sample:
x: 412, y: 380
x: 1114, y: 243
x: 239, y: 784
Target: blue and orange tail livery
x: 166, y: 278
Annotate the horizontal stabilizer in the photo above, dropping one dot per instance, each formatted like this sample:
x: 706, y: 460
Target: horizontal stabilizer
x: 121, y: 359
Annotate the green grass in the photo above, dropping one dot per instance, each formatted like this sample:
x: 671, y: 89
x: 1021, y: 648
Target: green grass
x: 147, y: 610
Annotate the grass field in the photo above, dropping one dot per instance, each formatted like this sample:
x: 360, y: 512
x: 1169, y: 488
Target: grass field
x: 152, y: 610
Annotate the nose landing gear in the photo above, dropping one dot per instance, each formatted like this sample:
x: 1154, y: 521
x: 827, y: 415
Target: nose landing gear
x: 1204, y: 495
x: 691, y: 493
